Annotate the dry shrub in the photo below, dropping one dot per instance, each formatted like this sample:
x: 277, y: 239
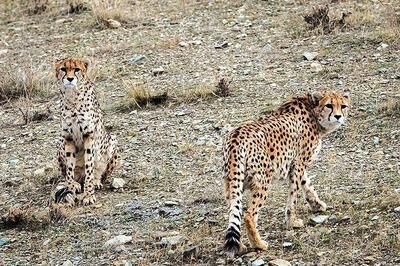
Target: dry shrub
x: 222, y: 89
x: 77, y: 6
x: 38, y: 7
x: 25, y: 82
x: 104, y: 11
x: 26, y: 217
x: 319, y: 18
x: 391, y: 107
x: 139, y: 96
x: 34, y: 114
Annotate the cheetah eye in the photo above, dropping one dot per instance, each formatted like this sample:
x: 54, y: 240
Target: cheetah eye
x: 344, y: 106
x: 330, y: 106
x: 63, y: 69
x: 77, y: 70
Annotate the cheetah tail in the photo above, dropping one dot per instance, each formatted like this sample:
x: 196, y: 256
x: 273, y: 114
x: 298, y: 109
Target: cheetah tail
x: 234, y: 192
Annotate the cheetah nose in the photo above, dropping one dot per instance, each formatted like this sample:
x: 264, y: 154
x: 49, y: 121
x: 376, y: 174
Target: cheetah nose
x: 70, y: 79
x: 337, y: 116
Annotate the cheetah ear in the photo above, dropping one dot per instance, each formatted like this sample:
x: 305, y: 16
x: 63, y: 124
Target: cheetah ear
x: 316, y: 96
x: 87, y: 62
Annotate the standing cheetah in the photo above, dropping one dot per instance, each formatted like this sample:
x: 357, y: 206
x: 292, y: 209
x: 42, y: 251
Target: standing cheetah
x: 281, y: 144
x: 87, y: 154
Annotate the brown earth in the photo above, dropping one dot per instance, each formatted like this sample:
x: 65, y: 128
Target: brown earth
x: 172, y: 152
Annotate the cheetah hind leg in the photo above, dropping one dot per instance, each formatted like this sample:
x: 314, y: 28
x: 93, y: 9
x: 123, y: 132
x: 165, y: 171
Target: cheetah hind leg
x: 113, y: 159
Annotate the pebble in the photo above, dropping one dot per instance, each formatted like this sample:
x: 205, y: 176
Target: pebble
x: 3, y: 242
x: 383, y: 46
x: 221, y: 45
x: 171, y: 240
x: 257, y: 262
x: 118, y: 240
x: 320, y: 219
x: 287, y: 244
x: 137, y: 58
x: 170, y: 203
x: 309, y: 56
x: 3, y: 51
x: 113, y: 24
x: 190, y: 253
x: 158, y: 71
x: 374, y: 218
x: 67, y: 263
x: 118, y: 183
x: 279, y: 262
x: 316, y: 67
x: 13, y: 161
x: 3, y: 146
x: 183, y: 44
x: 397, y: 209
x: 376, y: 140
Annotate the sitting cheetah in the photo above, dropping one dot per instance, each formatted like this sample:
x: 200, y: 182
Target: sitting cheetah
x: 87, y: 154
x: 280, y: 144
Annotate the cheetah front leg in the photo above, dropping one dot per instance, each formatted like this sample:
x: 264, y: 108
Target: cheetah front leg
x: 88, y: 196
x: 311, y: 196
x: 67, y: 161
x: 295, y: 176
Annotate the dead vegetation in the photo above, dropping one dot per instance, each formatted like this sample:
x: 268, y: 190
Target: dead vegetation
x: 26, y: 217
x: 110, y: 14
x: 319, y: 18
x: 391, y: 107
x: 25, y: 82
x: 77, y: 6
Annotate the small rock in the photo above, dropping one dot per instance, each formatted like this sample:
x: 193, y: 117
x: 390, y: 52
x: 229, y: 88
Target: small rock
x: 3, y: 51
x: 369, y: 258
x: 118, y: 183
x: 221, y: 45
x: 46, y: 242
x: 190, y: 253
x: 158, y: 71
x: 137, y: 59
x: 376, y: 140
x: 397, y: 209
x: 3, y: 146
x: 309, y: 56
x: 113, y: 24
x: 279, y: 262
x: 332, y: 219
x: 320, y: 219
x: 13, y: 161
x: 196, y: 42
x: 287, y: 244
x: 345, y: 219
x: 316, y: 67
x: 170, y: 203
x: 67, y: 263
x: 383, y: 46
x: 374, y: 218
x: 257, y: 262
x: 169, y: 211
x: 378, y: 155
x: 183, y: 44
x: 171, y: 240
x: 3, y: 242
x: 39, y: 172
x: 118, y: 240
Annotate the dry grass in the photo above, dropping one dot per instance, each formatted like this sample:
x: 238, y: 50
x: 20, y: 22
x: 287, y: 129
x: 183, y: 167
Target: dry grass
x: 204, y: 92
x: 26, y: 217
x: 25, y: 82
x: 391, y: 107
x: 106, y: 10
x: 139, y: 96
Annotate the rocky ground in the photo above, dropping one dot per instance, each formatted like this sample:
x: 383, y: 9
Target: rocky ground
x: 171, y: 210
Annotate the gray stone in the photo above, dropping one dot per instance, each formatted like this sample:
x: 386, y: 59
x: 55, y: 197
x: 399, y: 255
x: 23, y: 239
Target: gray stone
x: 67, y: 263
x: 309, y: 56
x: 257, y: 262
x: 376, y: 140
x: 113, y: 24
x: 118, y: 183
x: 118, y: 240
x: 320, y: 219
x: 397, y: 209
x: 158, y: 71
x: 374, y: 218
x: 3, y: 242
x: 183, y: 44
x: 287, y: 244
x: 316, y: 67
x: 279, y: 262
x: 137, y: 59
x: 171, y: 240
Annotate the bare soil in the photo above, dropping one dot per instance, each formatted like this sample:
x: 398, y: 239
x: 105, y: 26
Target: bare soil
x: 172, y: 152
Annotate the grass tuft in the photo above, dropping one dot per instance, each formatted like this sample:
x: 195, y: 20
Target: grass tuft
x: 24, y: 217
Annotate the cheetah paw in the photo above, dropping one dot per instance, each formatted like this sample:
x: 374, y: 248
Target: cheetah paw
x: 88, y: 199
x: 262, y: 245
x: 97, y: 184
x: 320, y: 206
x: 74, y: 186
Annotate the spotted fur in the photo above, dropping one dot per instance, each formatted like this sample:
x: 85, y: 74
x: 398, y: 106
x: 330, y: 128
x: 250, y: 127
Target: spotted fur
x: 87, y: 154
x: 279, y: 145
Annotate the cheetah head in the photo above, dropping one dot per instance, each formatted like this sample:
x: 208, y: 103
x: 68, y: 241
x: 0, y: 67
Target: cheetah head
x: 70, y: 71
x: 331, y: 109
